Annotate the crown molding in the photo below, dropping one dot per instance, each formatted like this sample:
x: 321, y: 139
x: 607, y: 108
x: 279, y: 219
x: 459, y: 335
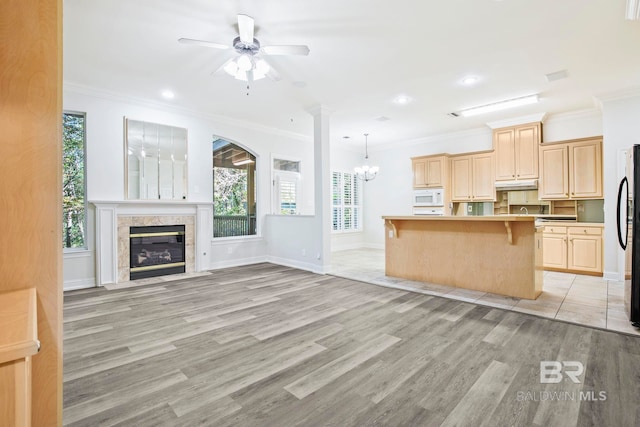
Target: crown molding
x: 319, y: 110
x: 144, y: 102
x: 591, y: 113
x: 617, y: 95
x: 479, y: 132
x: 515, y: 121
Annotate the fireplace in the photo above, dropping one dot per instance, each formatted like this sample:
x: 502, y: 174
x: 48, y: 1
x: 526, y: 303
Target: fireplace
x: 156, y: 250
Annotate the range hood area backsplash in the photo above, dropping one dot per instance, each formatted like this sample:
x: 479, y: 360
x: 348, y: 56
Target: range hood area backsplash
x: 529, y: 184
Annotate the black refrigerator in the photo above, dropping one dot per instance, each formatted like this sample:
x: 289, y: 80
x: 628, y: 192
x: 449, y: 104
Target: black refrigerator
x: 628, y: 220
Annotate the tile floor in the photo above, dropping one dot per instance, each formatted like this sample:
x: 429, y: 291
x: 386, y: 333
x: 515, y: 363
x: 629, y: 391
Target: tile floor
x: 575, y: 298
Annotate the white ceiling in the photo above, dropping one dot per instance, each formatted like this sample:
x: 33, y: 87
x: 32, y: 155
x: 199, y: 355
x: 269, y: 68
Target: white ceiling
x: 363, y: 54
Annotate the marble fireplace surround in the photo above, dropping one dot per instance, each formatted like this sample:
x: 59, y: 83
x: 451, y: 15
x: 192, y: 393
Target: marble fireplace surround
x: 113, y: 220
x: 126, y: 222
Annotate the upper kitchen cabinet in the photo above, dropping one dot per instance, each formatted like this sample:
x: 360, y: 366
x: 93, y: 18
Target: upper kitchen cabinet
x: 430, y: 171
x: 472, y: 178
x: 516, y: 150
x: 571, y: 170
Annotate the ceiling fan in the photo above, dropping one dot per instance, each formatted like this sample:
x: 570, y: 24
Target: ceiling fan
x: 249, y: 64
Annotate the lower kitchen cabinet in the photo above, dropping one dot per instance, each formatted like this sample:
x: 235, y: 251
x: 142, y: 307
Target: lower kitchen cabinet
x: 575, y: 248
x: 554, y: 247
x: 585, y: 249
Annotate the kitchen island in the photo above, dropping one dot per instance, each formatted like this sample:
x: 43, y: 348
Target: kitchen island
x: 499, y: 254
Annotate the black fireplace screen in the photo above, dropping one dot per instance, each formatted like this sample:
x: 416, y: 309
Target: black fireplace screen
x: 156, y: 251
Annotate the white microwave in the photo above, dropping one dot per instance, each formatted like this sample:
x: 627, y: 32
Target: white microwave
x: 428, y: 197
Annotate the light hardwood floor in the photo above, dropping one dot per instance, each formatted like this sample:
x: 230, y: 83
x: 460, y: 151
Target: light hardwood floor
x: 266, y: 345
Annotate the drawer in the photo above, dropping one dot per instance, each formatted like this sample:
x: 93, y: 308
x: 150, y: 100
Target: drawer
x: 585, y: 231
x: 555, y: 229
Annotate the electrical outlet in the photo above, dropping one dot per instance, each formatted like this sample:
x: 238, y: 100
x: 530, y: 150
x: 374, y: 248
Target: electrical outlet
x: 469, y: 208
x: 318, y: 255
x: 229, y: 250
x: 390, y: 234
x: 304, y: 252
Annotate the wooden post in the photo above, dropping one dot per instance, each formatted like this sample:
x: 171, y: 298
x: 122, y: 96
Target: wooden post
x: 31, y: 182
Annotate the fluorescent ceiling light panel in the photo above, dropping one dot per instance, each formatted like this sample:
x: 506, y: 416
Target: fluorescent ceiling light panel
x: 633, y: 10
x: 503, y: 105
x: 242, y: 162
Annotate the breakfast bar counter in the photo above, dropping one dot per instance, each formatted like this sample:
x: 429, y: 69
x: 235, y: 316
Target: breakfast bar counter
x: 500, y: 254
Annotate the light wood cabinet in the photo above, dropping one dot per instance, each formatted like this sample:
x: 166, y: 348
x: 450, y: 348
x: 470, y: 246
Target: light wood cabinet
x: 571, y: 170
x: 18, y: 343
x: 554, y: 242
x: 472, y: 178
x: 516, y: 152
x: 585, y: 170
x: 430, y: 171
x: 573, y: 248
x: 585, y: 249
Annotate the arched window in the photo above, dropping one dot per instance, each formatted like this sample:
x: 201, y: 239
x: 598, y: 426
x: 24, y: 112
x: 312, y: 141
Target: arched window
x: 234, y: 190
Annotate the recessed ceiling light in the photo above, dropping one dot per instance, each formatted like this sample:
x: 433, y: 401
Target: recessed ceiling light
x: 167, y: 94
x: 382, y: 119
x: 402, y: 99
x: 346, y: 137
x: 469, y: 80
x: 299, y: 83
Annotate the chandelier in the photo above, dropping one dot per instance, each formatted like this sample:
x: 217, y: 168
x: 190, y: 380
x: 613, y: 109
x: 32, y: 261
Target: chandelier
x: 366, y: 172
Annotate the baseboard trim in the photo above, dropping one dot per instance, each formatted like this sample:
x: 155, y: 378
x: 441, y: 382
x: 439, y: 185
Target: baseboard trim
x: 74, y: 285
x: 613, y: 276
x: 237, y: 262
x: 307, y: 266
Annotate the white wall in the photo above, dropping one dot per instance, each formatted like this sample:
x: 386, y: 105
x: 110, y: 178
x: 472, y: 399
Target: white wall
x: 621, y: 125
x: 292, y: 241
x: 105, y: 161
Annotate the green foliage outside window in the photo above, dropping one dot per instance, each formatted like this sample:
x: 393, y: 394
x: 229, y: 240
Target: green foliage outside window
x: 229, y: 191
x: 73, y: 181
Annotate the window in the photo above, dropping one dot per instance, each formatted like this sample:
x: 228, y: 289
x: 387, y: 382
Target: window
x: 346, y: 190
x: 73, y: 181
x: 234, y: 190
x: 286, y: 187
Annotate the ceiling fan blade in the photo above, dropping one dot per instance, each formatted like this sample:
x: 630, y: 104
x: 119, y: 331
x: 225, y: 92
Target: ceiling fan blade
x: 203, y: 43
x: 286, y: 50
x: 245, y: 28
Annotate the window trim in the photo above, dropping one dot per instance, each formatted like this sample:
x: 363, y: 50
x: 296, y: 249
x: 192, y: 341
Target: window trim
x: 274, y: 209
x: 259, y: 207
x: 85, y: 208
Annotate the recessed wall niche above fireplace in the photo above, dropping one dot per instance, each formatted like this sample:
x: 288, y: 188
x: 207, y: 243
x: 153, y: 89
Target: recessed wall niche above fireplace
x: 156, y: 250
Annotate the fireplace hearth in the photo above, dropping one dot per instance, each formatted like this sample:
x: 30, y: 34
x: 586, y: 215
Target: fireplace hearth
x: 156, y: 250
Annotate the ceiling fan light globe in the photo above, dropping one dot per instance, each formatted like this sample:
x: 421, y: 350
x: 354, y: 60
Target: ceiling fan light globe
x: 358, y: 171
x: 262, y: 67
x: 374, y: 170
x: 231, y: 68
x: 241, y: 75
x: 245, y: 63
x: 257, y: 75
x: 365, y: 168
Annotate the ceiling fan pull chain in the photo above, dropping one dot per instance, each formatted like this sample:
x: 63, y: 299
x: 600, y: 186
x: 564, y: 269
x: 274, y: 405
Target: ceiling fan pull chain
x: 247, y: 90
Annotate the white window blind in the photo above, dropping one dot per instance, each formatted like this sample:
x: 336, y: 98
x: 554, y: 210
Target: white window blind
x: 346, y: 198
x: 286, y: 195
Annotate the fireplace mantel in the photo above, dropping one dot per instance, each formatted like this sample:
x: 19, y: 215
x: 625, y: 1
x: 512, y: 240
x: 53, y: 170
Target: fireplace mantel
x: 108, y: 213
